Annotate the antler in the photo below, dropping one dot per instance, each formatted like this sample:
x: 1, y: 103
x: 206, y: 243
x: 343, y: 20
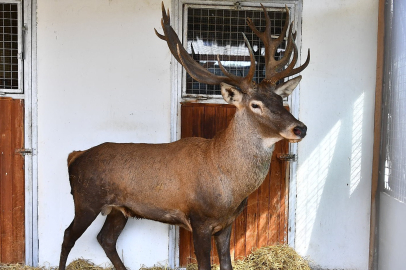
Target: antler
x: 274, y: 68
x: 195, y: 69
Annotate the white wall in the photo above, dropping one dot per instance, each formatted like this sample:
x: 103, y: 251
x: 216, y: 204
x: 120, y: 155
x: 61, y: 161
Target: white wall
x: 103, y: 75
x: 392, y: 233
x: 335, y: 159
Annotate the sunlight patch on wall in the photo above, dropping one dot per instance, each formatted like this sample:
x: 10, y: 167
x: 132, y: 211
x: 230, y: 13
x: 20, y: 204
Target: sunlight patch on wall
x: 356, y: 149
x: 312, y: 175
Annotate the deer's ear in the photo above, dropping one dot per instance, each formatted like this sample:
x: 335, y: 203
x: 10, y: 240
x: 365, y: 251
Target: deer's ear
x: 231, y: 94
x: 286, y: 88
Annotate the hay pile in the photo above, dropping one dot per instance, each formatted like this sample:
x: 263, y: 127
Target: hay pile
x: 156, y: 267
x: 82, y: 264
x: 79, y: 264
x: 279, y: 257
x: 18, y: 267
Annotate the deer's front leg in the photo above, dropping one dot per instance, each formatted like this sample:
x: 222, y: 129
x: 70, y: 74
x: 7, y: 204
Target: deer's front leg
x: 223, y: 248
x: 202, y: 244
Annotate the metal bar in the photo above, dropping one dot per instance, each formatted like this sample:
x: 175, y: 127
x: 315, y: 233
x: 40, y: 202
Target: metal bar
x: 216, y: 30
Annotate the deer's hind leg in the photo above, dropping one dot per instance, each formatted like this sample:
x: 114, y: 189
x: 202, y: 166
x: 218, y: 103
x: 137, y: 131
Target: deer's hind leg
x: 202, y: 243
x: 107, y: 237
x: 82, y: 220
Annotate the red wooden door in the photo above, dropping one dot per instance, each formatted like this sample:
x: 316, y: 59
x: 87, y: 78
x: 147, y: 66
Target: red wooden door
x: 12, y: 244
x: 264, y: 221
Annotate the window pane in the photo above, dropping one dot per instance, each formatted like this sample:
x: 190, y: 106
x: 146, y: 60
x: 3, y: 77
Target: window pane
x: 213, y: 32
x: 8, y: 46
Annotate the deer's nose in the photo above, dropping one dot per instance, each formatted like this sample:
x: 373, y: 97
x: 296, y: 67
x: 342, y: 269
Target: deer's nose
x: 300, y: 131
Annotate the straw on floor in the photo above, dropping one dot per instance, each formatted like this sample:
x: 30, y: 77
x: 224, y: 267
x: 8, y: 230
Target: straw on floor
x: 278, y: 257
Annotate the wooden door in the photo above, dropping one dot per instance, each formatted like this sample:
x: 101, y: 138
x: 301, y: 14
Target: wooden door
x: 264, y: 221
x: 12, y: 244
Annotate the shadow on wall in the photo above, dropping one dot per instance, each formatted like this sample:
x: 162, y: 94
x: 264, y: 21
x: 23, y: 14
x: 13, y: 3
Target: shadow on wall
x: 328, y: 181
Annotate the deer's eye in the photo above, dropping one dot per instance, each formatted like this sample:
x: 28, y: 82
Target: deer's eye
x: 255, y: 106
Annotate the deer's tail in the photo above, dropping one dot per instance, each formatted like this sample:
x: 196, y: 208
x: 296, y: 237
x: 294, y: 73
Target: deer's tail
x: 74, y: 155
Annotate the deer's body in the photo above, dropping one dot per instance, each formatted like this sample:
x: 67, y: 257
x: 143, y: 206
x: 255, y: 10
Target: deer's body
x: 156, y: 181
x: 199, y: 184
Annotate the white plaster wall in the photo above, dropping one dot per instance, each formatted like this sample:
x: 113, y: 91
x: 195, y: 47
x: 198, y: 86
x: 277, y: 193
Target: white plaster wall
x: 392, y: 235
x: 335, y: 159
x: 103, y: 75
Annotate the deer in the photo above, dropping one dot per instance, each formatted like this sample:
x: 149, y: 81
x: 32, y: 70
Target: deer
x: 199, y: 184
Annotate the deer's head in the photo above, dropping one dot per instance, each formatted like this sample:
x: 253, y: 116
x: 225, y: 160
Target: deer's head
x: 263, y: 102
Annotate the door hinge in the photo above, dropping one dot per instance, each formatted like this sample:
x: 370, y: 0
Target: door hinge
x: 287, y: 157
x: 24, y: 151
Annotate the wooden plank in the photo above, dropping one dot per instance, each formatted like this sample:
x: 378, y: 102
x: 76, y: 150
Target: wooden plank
x: 278, y: 192
x: 187, y: 121
x: 284, y: 200
x: 2, y: 124
x: 221, y: 120
x: 251, y: 237
x: 192, y: 255
x: 209, y: 122
x: 240, y: 225
x: 283, y: 212
x: 12, y: 244
x: 263, y: 206
x: 185, y: 247
x: 6, y: 183
x: 377, y: 133
x: 232, y: 243
x: 18, y: 183
x: 274, y: 203
x: 213, y: 252
x: 197, y: 121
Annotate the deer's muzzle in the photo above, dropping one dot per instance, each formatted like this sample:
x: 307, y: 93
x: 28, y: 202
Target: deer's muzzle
x: 300, y: 131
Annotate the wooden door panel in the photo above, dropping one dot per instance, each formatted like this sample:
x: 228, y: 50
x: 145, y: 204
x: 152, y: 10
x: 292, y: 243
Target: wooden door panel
x: 264, y: 220
x: 12, y: 243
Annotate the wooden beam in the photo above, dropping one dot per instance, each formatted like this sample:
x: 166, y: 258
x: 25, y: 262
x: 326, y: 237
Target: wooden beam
x: 12, y: 227
x: 377, y: 130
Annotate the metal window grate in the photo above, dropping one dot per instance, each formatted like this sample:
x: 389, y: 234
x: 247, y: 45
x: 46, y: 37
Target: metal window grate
x: 394, y: 98
x: 213, y: 31
x: 9, y: 43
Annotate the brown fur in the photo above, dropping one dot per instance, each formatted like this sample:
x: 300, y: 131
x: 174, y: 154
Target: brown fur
x: 74, y: 155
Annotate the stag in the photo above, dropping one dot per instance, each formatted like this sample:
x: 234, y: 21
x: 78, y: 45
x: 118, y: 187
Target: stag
x: 199, y: 184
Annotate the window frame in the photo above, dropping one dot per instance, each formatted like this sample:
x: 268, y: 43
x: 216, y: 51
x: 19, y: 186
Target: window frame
x: 180, y: 26
x: 20, y: 54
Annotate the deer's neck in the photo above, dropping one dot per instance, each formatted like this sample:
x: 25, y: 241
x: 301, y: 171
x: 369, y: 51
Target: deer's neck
x: 243, y: 157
